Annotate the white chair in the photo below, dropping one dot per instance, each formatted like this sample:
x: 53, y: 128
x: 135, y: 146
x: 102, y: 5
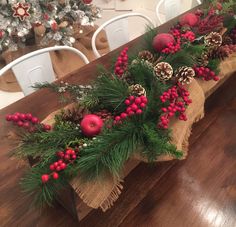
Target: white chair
x: 117, y: 31
x: 172, y: 8
x: 36, y: 67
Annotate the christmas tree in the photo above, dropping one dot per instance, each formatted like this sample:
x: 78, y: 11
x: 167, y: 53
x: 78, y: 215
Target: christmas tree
x: 53, y: 21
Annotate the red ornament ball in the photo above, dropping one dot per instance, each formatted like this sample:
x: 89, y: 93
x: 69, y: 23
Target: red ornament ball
x: 161, y: 41
x: 87, y: 1
x: 190, y: 19
x: 91, y: 125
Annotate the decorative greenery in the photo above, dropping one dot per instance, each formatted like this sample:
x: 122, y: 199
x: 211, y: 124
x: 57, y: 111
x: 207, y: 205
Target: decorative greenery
x: 125, y: 133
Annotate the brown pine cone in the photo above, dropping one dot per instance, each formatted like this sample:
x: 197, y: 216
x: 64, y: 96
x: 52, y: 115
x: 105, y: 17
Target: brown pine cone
x: 146, y: 55
x: 163, y: 71
x: 137, y: 90
x: 185, y: 74
x: 227, y: 40
x: 203, y: 60
x: 214, y: 39
x: 104, y: 115
x: 74, y: 115
x: 219, y: 53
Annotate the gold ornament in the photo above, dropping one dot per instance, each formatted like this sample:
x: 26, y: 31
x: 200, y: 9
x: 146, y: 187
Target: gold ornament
x: 185, y: 75
x: 163, y: 71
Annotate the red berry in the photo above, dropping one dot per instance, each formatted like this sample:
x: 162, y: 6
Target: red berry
x: 55, y: 175
x: 47, y: 127
x: 67, y: 157
x: 127, y: 102
x: 63, y: 165
x: 52, y: 167
x: 15, y: 118
x: 60, y: 162
x: 139, y: 111
x: 35, y: 120
x: 45, y: 178
x: 20, y: 123
x: 22, y: 116
x: 131, y: 98
x: 117, y: 118
x: 73, y: 156
x: 55, y: 164
x: 26, y: 125
x: 123, y: 115
x: 9, y: 117
x: 138, y: 100
x: 58, y: 168
x: 134, y: 107
x: 29, y: 116
x: 142, y: 105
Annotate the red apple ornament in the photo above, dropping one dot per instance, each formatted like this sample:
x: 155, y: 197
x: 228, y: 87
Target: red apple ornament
x: 91, y: 125
x: 190, y: 19
x: 160, y: 41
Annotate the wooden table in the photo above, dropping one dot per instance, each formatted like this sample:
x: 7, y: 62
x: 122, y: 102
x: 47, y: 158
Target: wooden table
x: 200, y: 191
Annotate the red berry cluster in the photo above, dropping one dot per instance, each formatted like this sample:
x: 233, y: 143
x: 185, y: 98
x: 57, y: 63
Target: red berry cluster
x: 27, y: 121
x: 65, y: 158
x: 189, y: 35
x: 134, y: 106
x: 172, y: 47
x: 177, y: 98
x: 121, y: 62
x: 205, y: 73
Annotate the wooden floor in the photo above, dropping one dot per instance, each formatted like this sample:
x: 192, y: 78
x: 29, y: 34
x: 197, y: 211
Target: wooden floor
x: 197, y: 192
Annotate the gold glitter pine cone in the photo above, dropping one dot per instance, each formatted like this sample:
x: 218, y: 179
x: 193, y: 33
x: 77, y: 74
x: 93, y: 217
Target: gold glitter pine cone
x: 163, y: 71
x: 185, y: 75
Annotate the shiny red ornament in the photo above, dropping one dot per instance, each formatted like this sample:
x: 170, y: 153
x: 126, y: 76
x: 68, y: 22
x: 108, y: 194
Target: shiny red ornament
x: 21, y: 10
x: 162, y: 40
x: 190, y: 19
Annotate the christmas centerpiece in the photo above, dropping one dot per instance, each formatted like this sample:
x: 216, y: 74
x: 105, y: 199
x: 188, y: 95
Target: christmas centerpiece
x: 143, y: 108
x: 47, y: 22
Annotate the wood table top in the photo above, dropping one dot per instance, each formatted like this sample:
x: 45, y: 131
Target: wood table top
x: 200, y: 191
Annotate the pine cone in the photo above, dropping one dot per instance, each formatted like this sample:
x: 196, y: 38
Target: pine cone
x: 214, y: 39
x: 185, y: 74
x: 233, y: 35
x: 227, y: 40
x: 219, y: 53
x: 137, y: 90
x: 203, y: 60
x: 163, y: 71
x: 74, y: 115
x: 146, y: 55
x: 104, y: 115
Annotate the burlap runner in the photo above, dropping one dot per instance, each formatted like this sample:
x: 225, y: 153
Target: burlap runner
x: 104, y: 193
x: 63, y: 62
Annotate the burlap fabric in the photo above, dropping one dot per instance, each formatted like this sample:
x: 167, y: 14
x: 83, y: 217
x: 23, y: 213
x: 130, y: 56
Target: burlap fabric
x: 63, y: 62
x: 104, y: 193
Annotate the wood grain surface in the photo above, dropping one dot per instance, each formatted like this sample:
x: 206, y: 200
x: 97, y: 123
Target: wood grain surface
x: 200, y: 191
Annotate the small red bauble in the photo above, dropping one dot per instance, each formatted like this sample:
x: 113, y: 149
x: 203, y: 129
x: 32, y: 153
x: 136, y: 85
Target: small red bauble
x: 189, y: 19
x: 91, y: 125
x: 161, y: 41
x: 45, y: 178
x: 87, y: 1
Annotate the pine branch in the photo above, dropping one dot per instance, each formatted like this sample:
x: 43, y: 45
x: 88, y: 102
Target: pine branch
x: 109, y: 152
x: 45, y: 144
